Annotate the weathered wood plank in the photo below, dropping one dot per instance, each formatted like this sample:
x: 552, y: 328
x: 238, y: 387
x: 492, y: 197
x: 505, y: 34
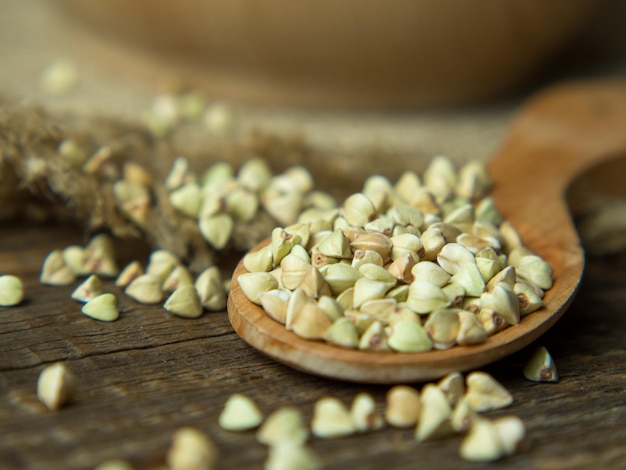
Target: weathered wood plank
x: 148, y: 373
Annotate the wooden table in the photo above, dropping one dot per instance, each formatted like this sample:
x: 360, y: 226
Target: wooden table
x: 149, y: 373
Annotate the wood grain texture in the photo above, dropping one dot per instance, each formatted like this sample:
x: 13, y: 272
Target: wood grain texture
x: 149, y: 373
x: 556, y: 136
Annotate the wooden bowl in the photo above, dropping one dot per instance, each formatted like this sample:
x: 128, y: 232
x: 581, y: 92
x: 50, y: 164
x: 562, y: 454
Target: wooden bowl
x: 358, y: 53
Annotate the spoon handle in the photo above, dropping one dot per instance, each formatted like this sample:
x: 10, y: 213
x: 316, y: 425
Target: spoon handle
x: 559, y: 134
x: 562, y: 131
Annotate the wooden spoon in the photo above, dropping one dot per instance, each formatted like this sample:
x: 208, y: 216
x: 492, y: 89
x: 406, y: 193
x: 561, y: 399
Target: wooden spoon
x: 558, y: 134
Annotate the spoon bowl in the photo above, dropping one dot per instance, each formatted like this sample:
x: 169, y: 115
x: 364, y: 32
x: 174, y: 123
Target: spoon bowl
x: 558, y: 134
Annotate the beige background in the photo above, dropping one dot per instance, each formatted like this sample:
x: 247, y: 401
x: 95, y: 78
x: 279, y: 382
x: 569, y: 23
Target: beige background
x: 119, y: 81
